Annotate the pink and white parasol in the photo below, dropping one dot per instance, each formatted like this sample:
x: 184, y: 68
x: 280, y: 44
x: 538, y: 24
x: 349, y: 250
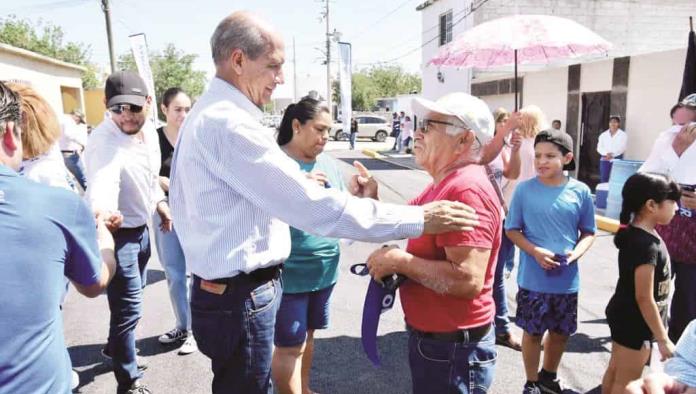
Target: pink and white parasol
x: 537, y: 39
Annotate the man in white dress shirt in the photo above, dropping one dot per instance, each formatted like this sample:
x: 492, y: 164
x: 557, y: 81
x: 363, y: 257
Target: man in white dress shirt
x: 611, y: 145
x: 123, y: 163
x: 674, y: 154
x: 234, y: 192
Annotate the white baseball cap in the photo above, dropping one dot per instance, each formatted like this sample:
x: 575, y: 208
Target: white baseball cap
x: 470, y: 110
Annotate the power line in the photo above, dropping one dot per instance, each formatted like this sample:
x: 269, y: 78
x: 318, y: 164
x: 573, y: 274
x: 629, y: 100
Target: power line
x: 471, y: 11
x: 383, y: 17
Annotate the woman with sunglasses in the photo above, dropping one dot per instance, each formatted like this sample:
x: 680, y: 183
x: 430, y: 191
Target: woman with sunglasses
x: 175, y: 106
x: 311, y: 270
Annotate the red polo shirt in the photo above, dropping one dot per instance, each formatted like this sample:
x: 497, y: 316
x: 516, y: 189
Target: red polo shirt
x: 427, y: 310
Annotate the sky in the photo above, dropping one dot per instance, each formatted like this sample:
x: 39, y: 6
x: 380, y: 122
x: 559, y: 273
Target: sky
x: 379, y: 30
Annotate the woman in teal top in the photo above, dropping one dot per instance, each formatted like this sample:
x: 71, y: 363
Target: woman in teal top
x: 311, y: 271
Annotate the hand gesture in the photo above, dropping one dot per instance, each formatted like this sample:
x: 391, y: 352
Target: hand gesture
x: 165, y: 216
x: 684, y: 139
x: 545, y: 258
x: 688, y: 200
x: 383, y: 262
x: 666, y: 348
x: 319, y: 177
x: 363, y: 184
x: 658, y: 383
x: 104, y: 238
x: 515, y: 141
x: 447, y: 216
x: 514, y: 122
x: 112, y: 220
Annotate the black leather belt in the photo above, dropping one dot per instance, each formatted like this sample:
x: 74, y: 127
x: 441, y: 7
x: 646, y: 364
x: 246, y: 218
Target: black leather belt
x: 464, y: 335
x: 260, y: 275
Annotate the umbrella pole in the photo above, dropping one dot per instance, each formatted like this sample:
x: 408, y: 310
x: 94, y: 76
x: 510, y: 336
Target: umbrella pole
x: 516, y: 107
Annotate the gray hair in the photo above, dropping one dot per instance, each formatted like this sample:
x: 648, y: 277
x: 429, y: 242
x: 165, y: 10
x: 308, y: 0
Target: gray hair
x: 242, y: 31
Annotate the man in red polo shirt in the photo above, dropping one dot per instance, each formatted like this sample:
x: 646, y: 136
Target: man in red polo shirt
x: 448, y: 299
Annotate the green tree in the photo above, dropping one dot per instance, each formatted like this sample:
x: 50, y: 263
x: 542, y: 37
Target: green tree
x: 384, y: 81
x: 47, y: 39
x: 170, y: 68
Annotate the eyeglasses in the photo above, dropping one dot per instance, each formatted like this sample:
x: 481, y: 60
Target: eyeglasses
x: 119, y: 108
x: 425, y: 124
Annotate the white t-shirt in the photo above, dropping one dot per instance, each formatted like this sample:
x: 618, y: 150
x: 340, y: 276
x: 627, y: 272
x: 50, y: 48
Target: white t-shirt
x: 614, y: 144
x: 48, y: 169
x: 406, y: 130
x: 527, y: 170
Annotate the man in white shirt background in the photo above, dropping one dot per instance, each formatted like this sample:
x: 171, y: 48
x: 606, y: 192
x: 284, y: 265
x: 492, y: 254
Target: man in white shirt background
x: 674, y: 154
x: 233, y: 193
x: 611, y: 145
x: 72, y: 142
x: 123, y: 163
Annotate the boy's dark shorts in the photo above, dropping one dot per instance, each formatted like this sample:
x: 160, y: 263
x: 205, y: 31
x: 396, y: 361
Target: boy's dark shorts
x: 539, y: 312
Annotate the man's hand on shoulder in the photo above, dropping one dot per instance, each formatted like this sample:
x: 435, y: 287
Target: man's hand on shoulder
x: 448, y: 216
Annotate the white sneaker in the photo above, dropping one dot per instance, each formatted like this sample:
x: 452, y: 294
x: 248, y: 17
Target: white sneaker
x: 172, y: 336
x: 189, y: 345
x: 75, y: 380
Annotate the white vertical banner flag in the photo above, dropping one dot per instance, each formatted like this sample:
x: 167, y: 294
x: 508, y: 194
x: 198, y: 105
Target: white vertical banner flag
x: 345, y: 74
x: 142, y: 62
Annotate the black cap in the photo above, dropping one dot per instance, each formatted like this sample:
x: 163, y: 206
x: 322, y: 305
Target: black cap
x: 559, y: 138
x: 125, y: 87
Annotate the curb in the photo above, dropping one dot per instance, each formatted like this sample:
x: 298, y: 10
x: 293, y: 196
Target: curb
x: 607, y: 224
x: 372, y: 153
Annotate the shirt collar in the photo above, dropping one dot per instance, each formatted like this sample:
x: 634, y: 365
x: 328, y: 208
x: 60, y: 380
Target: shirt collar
x: 7, y: 171
x: 227, y: 89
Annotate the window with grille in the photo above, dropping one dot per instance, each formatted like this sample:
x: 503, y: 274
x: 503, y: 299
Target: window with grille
x: 446, y: 27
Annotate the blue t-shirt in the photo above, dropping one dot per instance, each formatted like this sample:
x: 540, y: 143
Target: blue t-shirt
x: 46, y: 233
x: 313, y: 261
x: 552, y: 218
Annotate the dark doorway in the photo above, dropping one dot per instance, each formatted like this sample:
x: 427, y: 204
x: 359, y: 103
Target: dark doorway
x: 594, y: 120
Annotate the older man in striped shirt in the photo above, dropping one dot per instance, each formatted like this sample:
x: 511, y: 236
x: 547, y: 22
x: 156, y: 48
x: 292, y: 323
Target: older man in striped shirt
x: 233, y: 194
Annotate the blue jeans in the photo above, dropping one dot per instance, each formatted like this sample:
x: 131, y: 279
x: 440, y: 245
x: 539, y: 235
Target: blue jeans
x: 506, y: 254
x: 451, y: 367
x: 125, y: 301
x: 397, y: 139
x: 172, y: 259
x: 353, y: 137
x: 235, y: 330
x: 75, y: 166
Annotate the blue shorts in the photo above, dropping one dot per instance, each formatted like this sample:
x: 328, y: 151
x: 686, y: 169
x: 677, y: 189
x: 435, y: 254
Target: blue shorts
x: 300, y: 312
x: 539, y: 312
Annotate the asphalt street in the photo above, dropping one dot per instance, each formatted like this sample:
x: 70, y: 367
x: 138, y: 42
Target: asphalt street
x: 340, y: 365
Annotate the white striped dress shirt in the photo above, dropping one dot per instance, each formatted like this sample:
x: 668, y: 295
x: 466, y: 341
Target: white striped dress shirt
x: 233, y: 192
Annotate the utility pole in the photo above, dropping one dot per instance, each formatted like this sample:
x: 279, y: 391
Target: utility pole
x: 294, y: 69
x: 107, y: 15
x: 328, y: 60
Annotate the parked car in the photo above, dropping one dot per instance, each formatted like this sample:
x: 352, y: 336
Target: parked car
x: 374, y: 127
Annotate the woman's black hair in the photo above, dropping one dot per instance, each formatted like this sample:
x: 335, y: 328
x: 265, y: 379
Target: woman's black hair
x: 638, y: 189
x: 169, y: 95
x: 305, y: 109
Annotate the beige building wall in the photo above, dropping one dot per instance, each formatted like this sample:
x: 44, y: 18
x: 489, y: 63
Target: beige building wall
x: 45, y: 75
x: 653, y: 86
x: 549, y: 91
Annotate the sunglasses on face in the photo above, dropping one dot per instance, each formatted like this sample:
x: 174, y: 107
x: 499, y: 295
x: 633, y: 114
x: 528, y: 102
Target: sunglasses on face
x: 426, y: 124
x: 119, y: 108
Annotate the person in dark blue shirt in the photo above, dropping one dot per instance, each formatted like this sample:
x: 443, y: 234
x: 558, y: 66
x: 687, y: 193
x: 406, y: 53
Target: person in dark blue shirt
x: 46, y: 233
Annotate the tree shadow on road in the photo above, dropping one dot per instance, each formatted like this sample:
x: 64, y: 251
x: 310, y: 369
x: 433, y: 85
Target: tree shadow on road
x: 341, y: 366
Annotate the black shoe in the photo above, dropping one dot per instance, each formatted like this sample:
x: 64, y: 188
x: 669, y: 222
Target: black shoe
x: 531, y: 389
x: 549, y: 386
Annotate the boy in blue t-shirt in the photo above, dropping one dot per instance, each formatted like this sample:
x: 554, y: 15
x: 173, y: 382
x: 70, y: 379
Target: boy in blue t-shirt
x: 551, y: 220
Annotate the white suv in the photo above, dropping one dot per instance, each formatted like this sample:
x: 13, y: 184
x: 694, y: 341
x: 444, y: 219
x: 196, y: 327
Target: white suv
x: 369, y: 126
